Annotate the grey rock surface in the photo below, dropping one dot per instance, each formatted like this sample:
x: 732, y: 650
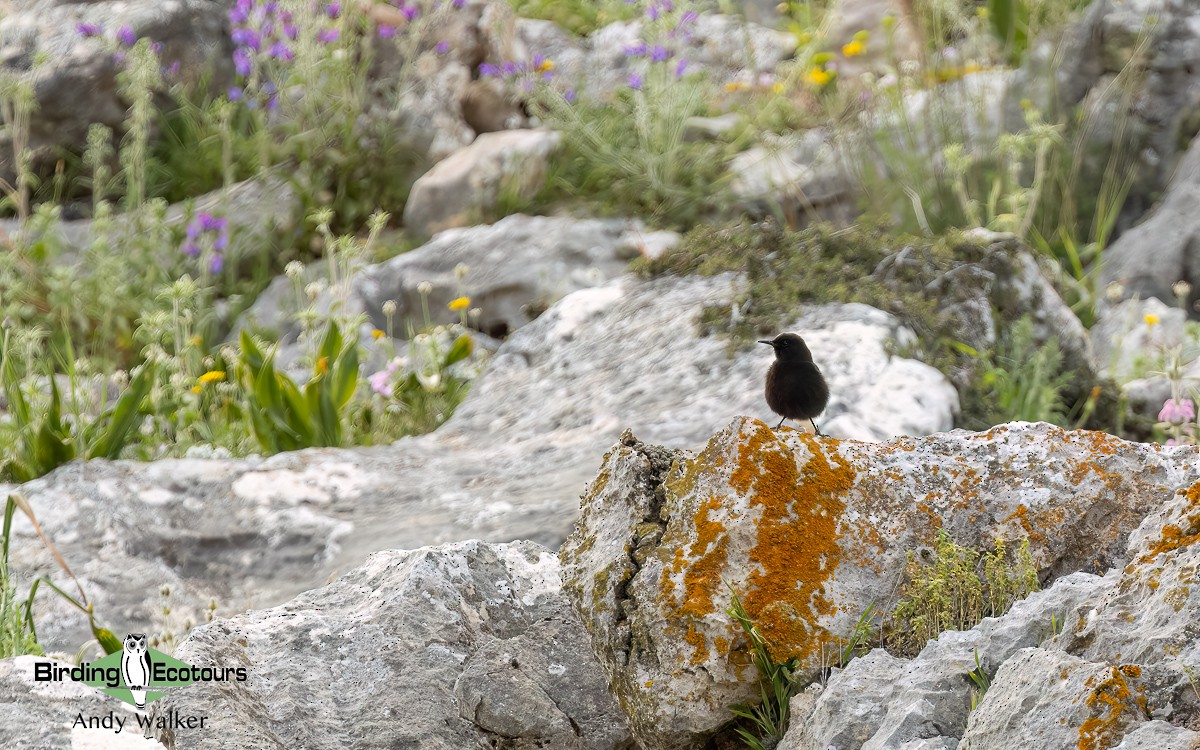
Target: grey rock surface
x: 509, y: 464
x: 1125, y: 345
x: 800, y: 178
x: 467, y: 186
x: 879, y: 701
x: 75, y: 79
x: 811, y: 532
x: 1151, y: 122
x: 1149, y: 258
x: 469, y: 645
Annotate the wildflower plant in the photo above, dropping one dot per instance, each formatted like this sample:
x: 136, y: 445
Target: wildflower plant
x: 629, y: 153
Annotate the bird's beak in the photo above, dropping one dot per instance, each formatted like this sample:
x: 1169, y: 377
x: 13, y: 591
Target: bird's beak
x: 767, y: 342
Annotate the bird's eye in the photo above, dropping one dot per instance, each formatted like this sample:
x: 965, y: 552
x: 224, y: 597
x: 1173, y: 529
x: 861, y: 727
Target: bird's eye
x: 783, y: 344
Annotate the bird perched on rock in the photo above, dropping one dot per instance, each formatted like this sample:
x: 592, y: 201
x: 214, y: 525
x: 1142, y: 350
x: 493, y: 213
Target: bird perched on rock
x: 796, y: 389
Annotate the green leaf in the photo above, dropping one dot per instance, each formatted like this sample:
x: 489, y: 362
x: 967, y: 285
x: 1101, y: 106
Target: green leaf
x: 460, y: 350
x: 124, y: 416
x: 345, y: 377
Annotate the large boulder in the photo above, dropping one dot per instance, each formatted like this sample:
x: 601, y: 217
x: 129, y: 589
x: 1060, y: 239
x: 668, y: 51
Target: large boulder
x: 74, y: 79
x: 509, y: 464
x: 809, y: 532
x: 467, y: 186
x: 467, y: 645
x: 1150, y: 258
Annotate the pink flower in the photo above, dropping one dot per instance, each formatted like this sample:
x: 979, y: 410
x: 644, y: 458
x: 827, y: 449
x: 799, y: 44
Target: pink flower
x: 1177, y: 412
x: 380, y: 382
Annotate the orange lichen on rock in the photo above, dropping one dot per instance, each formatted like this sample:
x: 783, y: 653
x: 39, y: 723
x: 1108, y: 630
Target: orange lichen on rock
x: 1176, y: 536
x: 1109, y: 700
x: 1022, y: 516
x: 797, y: 547
x: 702, y: 577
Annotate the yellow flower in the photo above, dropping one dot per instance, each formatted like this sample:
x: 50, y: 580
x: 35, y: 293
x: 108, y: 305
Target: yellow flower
x: 546, y: 65
x: 777, y: 87
x: 377, y: 334
x: 196, y: 389
x: 853, y: 48
x: 732, y: 86
x: 211, y: 376
x: 322, y: 365
x: 196, y: 341
x: 818, y: 76
x: 1151, y: 319
x: 462, y: 303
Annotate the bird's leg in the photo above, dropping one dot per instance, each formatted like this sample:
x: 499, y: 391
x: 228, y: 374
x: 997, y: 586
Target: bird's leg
x: 818, y: 429
x: 780, y: 422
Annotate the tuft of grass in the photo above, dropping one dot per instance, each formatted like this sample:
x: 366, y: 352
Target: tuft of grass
x: 956, y: 590
x: 1025, y: 381
x: 980, y: 682
x: 765, y: 724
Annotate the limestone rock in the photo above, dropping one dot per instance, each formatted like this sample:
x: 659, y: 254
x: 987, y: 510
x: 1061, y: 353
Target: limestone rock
x: 461, y: 646
x: 515, y: 269
x: 812, y: 530
x: 1152, y: 256
x: 466, y: 186
x: 802, y: 178
x: 557, y: 394
x: 879, y: 701
x: 1123, y: 336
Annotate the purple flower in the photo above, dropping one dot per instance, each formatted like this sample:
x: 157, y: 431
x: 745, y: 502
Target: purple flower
x: 86, y: 30
x: 191, y: 249
x: 386, y: 32
x: 570, y: 96
x: 216, y: 264
x: 442, y: 47
x: 172, y: 70
x: 635, y: 81
x: 290, y: 30
x: 659, y: 53
x: 487, y: 70
x: 156, y: 48
x: 636, y: 50
x: 210, y: 223
x: 241, y: 62
x: 327, y: 35
x: 458, y: 3
x: 126, y: 36
x: 410, y: 12
x: 273, y: 102
x: 1177, y: 412
x: 680, y: 67
x: 333, y: 10
x: 281, y: 51
x: 246, y: 38
x: 234, y: 93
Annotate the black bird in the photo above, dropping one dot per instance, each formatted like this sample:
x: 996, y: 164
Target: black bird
x: 796, y: 389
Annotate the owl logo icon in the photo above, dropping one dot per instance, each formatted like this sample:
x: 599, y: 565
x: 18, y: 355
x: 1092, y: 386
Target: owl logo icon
x: 136, y: 667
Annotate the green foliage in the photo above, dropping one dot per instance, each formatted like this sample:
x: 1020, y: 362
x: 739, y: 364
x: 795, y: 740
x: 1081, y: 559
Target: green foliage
x: 980, y: 682
x: 285, y: 417
x: 577, y: 16
x: 43, y: 440
x: 956, y: 589
x: 629, y: 156
x: 1026, y: 381
x: 17, y: 632
x: 765, y: 724
x: 17, y: 635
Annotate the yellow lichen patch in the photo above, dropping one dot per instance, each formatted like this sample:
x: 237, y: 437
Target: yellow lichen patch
x: 1109, y: 700
x: 797, y: 547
